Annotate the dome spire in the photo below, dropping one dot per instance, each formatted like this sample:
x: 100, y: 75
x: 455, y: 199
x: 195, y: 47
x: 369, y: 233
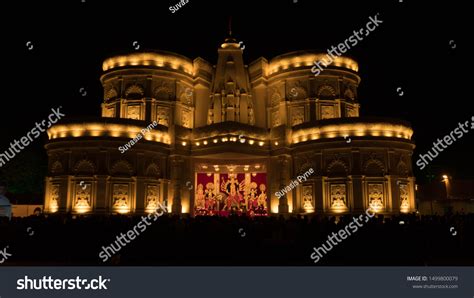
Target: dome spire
x: 229, y: 39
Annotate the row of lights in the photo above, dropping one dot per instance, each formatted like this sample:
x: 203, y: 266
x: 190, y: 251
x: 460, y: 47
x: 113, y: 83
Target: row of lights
x: 227, y: 139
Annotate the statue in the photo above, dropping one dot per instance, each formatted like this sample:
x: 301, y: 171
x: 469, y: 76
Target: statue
x: 200, y: 198
x: 262, y: 198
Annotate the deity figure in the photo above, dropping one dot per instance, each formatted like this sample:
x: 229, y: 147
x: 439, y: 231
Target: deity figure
x: 234, y: 198
x: 210, y: 197
x: 253, y: 202
x: 200, y: 198
x: 83, y: 198
x: 262, y: 198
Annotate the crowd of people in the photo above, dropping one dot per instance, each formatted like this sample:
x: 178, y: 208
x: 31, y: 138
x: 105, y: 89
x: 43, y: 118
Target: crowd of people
x: 240, y: 240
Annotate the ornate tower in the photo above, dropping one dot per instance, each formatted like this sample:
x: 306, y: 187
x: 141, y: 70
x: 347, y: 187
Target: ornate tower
x: 230, y: 98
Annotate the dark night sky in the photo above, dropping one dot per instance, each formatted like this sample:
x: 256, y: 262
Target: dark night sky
x: 411, y: 50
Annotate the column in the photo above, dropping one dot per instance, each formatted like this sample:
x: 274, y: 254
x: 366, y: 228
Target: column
x: 176, y: 165
x: 283, y: 204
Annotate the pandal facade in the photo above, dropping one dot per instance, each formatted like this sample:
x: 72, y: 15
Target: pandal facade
x: 217, y: 139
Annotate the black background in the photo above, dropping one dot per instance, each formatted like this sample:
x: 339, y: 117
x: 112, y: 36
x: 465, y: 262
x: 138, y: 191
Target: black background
x: 412, y: 49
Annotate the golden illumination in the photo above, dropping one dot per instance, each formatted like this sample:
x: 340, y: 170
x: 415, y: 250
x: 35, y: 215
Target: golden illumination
x: 295, y: 60
x: 104, y: 130
x: 183, y: 143
x: 242, y: 140
x: 375, y: 209
x: 215, y: 141
x: 185, y: 206
x: 261, y: 143
x: 205, y: 142
x: 339, y: 209
x: 276, y: 143
x: 82, y: 209
x: 122, y: 210
x: 251, y: 142
x: 197, y: 143
x: 351, y: 129
x: 405, y: 209
x: 445, y: 177
x: 163, y: 59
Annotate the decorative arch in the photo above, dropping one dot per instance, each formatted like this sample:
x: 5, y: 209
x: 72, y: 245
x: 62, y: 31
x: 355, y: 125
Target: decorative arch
x: 326, y: 91
x: 121, y: 167
x: 337, y: 167
x: 57, y: 167
x: 305, y: 166
x: 297, y: 92
x: 349, y: 94
x: 402, y: 168
x: 134, y: 91
x: 162, y: 92
x: 153, y: 170
x: 111, y: 93
x: 84, y: 166
x: 275, y: 98
x: 374, y: 167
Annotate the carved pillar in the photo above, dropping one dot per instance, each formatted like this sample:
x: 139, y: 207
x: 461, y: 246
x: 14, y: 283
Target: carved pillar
x: 283, y: 204
x: 176, y: 169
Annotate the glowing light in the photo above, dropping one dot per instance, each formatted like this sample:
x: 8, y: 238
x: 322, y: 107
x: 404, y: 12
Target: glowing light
x: 174, y: 61
x: 445, y: 177
x: 205, y: 142
x: 215, y: 141
x: 352, y: 129
x: 82, y: 209
x: 224, y: 140
x: 197, y: 143
x: 251, y: 142
x: 98, y: 129
x: 185, y: 206
x: 299, y: 59
x: 242, y: 140
x: 276, y: 143
x: 261, y: 144
x: 183, y: 143
x: 122, y: 210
